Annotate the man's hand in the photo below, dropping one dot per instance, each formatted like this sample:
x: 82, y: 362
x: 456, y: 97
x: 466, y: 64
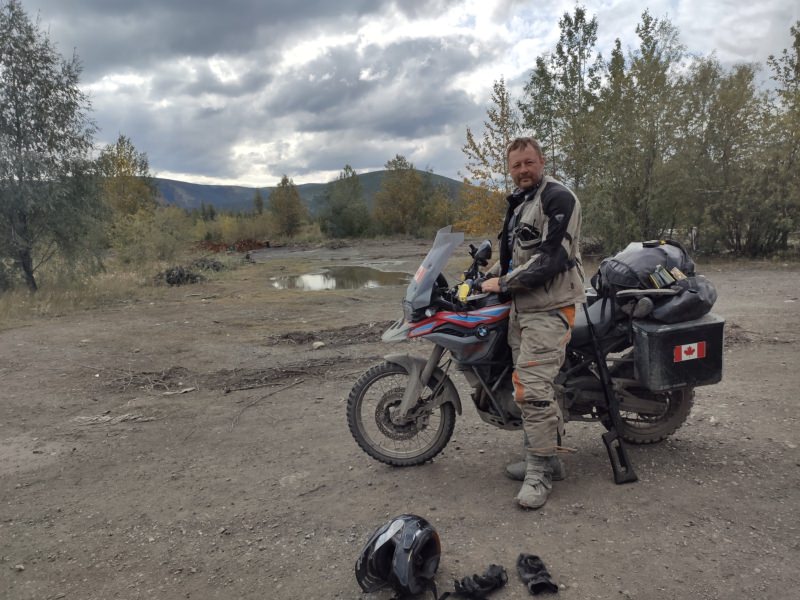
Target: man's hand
x: 491, y: 285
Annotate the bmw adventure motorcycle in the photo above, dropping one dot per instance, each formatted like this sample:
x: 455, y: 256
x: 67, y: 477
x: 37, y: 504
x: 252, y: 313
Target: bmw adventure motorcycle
x: 635, y: 377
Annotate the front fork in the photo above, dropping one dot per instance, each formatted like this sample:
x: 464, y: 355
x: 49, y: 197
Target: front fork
x: 420, y: 373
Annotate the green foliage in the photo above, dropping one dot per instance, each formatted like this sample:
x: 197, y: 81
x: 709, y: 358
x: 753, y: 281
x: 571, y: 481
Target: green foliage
x: 147, y: 236
x: 207, y: 212
x: 632, y: 187
x: 657, y: 144
x: 486, y: 157
x: 127, y: 185
x: 782, y: 154
x: 287, y: 209
x: 49, y: 202
x: 438, y: 207
x: 399, y: 202
x: 561, y: 95
x: 230, y: 228
x: 481, y: 202
x: 343, y: 209
x: 258, y: 202
x: 482, y: 209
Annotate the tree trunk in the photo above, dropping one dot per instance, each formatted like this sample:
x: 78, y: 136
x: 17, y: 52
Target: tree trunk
x: 26, y: 263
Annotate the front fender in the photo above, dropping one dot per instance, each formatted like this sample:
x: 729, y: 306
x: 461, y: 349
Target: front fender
x: 414, y: 366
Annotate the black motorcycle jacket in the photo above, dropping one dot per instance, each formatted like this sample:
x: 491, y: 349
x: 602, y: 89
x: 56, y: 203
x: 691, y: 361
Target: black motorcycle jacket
x: 539, y: 256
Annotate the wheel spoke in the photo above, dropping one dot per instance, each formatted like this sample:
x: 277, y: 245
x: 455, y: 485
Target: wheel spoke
x: 372, y: 409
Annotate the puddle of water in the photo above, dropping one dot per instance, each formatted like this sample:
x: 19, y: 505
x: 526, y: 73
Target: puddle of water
x: 341, y: 278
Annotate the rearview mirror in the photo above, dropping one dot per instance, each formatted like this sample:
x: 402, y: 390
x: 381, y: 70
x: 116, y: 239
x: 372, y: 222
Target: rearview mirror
x: 482, y: 253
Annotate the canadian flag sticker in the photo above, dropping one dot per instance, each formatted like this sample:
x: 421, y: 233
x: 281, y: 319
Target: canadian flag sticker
x: 690, y: 351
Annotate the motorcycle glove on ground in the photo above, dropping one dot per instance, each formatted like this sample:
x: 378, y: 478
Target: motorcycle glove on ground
x: 535, y: 575
x: 402, y: 554
x: 478, y: 587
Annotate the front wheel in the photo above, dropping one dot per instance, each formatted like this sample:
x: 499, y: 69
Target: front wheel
x: 371, y: 416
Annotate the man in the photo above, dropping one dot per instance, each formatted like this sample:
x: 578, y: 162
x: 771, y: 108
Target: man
x: 540, y: 267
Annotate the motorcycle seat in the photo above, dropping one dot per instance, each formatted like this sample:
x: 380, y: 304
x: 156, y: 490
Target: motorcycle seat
x: 603, y: 317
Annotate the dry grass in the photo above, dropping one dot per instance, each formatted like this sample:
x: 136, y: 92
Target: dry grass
x: 58, y: 298
x: 118, y: 284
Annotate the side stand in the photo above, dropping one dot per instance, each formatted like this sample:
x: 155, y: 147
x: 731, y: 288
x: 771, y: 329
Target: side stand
x: 620, y: 464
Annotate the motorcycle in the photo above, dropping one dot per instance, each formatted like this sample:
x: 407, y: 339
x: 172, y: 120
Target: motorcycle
x: 620, y: 370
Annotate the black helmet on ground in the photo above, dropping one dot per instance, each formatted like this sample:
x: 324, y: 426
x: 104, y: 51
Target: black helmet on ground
x: 403, y: 553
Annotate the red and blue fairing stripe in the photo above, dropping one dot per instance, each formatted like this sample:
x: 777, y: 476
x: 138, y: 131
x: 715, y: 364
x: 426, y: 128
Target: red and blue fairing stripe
x: 469, y: 319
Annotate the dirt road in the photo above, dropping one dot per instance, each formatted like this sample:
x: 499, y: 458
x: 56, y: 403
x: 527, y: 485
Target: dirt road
x: 196, y: 447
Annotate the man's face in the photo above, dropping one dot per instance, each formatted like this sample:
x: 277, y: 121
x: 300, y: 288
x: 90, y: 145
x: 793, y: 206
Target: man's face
x: 526, y: 167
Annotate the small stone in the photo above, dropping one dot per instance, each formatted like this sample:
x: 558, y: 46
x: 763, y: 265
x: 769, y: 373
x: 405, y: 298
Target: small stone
x: 318, y: 345
x: 19, y: 567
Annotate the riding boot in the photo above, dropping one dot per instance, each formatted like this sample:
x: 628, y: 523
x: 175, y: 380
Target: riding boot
x: 537, y: 484
x: 516, y: 470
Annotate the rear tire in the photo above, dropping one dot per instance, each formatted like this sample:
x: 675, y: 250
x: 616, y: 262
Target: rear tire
x: 649, y: 429
x: 370, y: 408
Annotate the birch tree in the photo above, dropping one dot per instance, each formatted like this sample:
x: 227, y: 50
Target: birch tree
x: 49, y: 205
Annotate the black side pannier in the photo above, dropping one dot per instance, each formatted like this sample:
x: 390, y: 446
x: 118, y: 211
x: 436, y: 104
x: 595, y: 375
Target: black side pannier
x: 635, y: 268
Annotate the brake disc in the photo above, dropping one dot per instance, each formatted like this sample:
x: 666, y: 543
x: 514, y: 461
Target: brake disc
x: 387, y: 425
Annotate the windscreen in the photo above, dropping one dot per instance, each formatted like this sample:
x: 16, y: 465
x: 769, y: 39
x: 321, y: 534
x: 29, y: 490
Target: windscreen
x: 418, y: 294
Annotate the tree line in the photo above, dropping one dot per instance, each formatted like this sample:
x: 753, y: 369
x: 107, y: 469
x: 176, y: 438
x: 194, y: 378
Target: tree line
x: 408, y: 202
x: 655, y: 142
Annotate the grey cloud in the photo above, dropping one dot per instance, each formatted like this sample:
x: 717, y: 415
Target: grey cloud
x: 331, y: 152
x: 111, y: 35
x: 410, y: 96
x: 329, y: 81
x: 352, y: 107
x: 173, y: 80
x: 190, y: 133
x: 181, y: 139
x: 421, y: 8
x: 408, y: 99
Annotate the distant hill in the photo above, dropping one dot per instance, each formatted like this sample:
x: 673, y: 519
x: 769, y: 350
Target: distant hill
x: 234, y: 198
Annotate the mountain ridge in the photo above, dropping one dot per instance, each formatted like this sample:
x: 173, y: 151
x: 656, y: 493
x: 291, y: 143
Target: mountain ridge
x: 235, y: 198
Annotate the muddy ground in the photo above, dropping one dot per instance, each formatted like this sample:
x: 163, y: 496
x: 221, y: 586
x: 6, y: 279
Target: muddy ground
x: 195, y: 446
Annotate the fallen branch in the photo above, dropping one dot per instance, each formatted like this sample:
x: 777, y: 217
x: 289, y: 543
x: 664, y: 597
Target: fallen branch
x: 256, y: 401
x: 181, y: 391
x: 311, y: 491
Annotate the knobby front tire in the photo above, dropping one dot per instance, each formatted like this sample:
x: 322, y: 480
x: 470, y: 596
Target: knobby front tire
x: 370, y: 407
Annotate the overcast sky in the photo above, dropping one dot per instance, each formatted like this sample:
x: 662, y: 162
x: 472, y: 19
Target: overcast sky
x: 244, y: 91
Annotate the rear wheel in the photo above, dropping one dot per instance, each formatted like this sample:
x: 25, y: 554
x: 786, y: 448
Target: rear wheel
x: 371, y: 416
x: 638, y: 428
